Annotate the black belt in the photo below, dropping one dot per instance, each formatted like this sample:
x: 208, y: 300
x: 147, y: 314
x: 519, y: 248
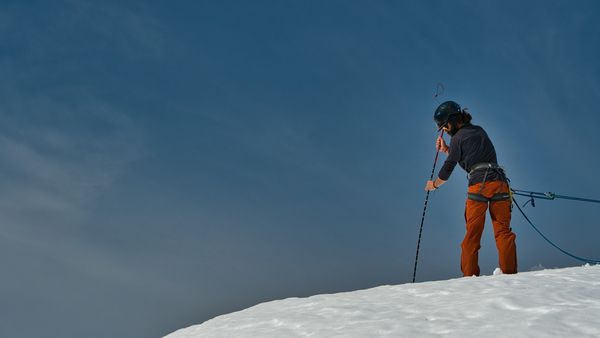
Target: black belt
x: 485, y: 165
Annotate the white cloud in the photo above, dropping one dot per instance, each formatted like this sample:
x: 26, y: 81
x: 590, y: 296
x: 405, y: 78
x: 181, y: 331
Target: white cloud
x: 52, y: 170
x: 57, y: 164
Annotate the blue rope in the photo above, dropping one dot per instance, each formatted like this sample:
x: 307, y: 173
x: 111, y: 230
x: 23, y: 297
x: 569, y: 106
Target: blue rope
x: 550, y: 196
x: 585, y: 260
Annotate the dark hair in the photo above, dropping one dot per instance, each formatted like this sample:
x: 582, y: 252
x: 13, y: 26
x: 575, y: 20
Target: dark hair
x: 461, y: 118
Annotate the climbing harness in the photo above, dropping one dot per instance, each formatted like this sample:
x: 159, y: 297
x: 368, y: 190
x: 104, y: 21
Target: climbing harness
x: 485, y: 165
x: 488, y: 166
x: 502, y: 196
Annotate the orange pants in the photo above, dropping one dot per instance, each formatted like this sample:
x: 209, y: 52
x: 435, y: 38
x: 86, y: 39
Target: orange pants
x: 475, y: 219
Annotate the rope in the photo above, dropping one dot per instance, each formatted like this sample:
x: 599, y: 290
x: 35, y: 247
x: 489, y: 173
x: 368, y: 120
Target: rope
x: 585, y: 260
x: 551, y: 196
x: 425, y: 209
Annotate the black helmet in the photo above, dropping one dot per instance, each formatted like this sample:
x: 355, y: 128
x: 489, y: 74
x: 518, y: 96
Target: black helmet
x: 444, y: 111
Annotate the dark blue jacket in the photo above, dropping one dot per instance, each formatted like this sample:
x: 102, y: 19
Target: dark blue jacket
x: 470, y: 145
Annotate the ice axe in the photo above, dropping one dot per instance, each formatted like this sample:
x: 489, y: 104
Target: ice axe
x: 437, y: 153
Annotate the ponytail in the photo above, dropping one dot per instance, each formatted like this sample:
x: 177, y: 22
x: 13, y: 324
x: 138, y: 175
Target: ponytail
x: 465, y: 117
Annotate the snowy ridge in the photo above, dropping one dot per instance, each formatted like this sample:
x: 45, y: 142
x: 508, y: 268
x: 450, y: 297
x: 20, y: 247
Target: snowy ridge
x: 546, y: 303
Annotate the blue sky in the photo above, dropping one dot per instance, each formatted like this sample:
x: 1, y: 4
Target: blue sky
x: 164, y: 163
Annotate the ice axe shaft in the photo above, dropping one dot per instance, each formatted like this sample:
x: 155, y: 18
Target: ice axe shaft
x: 437, y: 153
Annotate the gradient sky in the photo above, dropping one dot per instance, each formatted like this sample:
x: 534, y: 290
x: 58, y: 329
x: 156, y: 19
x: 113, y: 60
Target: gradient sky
x: 163, y: 163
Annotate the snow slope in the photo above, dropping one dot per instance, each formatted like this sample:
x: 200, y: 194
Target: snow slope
x: 546, y: 303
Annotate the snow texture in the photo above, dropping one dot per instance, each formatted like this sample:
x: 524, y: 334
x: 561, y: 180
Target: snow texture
x: 545, y: 303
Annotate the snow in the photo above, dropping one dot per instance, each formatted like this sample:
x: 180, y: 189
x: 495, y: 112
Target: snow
x: 544, y: 303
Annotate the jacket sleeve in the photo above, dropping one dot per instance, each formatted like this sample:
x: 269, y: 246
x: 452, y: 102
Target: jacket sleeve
x: 454, y: 155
